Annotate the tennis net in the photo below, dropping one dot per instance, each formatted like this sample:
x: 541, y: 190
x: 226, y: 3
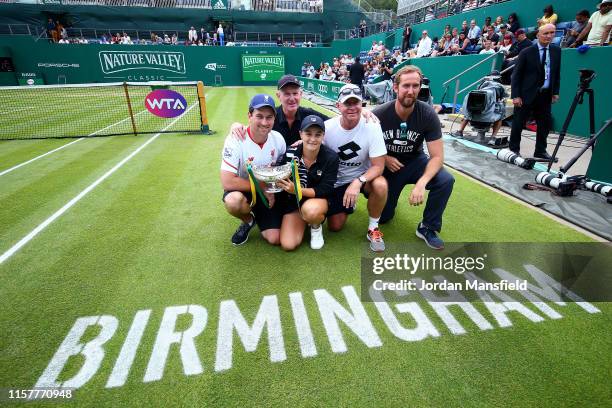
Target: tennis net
x: 110, y: 109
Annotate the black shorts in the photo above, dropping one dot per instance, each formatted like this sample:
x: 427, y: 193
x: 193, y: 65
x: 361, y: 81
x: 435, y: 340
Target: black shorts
x: 335, y: 200
x: 265, y: 218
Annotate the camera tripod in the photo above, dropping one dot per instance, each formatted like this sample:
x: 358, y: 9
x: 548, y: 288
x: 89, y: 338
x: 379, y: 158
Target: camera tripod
x: 586, y: 76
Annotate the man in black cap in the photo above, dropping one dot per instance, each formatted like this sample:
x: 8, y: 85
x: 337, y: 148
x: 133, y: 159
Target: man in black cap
x: 289, y: 114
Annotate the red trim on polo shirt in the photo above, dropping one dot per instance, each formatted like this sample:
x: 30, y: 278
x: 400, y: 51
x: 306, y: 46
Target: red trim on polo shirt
x: 261, y: 145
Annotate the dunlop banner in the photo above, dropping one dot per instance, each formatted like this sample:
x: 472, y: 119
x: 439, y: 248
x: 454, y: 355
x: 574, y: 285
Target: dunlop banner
x: 262, y: 68
x: 326, y: 89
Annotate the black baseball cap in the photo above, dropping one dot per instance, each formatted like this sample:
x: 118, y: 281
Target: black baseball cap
x: 312, y: 120
x: 288, y: 80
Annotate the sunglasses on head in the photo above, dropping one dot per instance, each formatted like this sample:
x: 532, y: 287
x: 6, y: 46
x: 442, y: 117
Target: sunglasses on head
x: 351, y: 91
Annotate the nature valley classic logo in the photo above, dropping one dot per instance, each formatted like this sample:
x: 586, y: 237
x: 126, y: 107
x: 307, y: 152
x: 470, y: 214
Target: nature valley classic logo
x: 264, y: 61
x: 117, y: 61
x: 262, y: 68
x: 165, y: 103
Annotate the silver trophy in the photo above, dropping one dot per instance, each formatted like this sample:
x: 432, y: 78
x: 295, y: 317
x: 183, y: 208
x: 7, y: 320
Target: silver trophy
x: 271, y: 174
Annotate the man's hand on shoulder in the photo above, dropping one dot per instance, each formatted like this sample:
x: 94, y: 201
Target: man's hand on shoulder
x: 238, y: 131
x: 369, y: 116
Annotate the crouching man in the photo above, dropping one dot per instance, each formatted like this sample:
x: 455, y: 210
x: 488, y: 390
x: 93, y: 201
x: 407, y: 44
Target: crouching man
x: 407, y: 123
x: 262, y: 147
x: 361, y: 149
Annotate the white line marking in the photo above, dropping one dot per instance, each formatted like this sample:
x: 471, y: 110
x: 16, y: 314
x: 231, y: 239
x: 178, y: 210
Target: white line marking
x: 82, y: 194
x: 2, y: 173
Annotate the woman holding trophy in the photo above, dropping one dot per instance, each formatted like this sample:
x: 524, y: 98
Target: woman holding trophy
x: 315, y: 170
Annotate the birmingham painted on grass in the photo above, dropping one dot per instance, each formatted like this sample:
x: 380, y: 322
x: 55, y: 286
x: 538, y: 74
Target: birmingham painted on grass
x: 331, y: 311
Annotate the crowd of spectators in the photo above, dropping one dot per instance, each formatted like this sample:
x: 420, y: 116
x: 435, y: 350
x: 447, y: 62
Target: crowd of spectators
x: 363, y: 30
x: 56, y: 32
x: 379, y: 61
x: 470, y: 38
x: 502, y: 35
x: 219, y: 36
x: 507, y: 37
x: 446, y: 8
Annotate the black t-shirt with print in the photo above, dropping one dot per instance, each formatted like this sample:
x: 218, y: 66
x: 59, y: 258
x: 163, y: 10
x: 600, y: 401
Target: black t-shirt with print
x: 405, y: 144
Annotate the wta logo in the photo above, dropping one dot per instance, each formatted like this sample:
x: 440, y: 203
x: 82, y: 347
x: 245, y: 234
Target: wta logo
x: 165, y: 103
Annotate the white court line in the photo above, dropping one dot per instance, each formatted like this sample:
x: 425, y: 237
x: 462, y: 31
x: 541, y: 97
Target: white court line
x: 2, y: 173
x: 82, y: 194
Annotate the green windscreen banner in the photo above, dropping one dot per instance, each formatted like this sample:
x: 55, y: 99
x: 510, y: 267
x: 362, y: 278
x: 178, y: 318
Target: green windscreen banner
x: 325, y: 89
x: 262, y: 68
x: 29, y: 78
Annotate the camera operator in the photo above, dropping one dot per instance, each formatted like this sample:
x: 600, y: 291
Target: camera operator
x: 386, y: 68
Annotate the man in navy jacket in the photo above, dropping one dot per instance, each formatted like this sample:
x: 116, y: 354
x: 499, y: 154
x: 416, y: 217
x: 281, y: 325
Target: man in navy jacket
x: 535, y: 86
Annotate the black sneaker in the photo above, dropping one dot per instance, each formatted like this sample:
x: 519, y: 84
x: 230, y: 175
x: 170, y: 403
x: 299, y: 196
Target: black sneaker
x: 242, y: 233
x: 430, y: 237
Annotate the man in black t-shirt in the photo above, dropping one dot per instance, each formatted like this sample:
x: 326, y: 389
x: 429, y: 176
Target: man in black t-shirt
x: 407, y: 123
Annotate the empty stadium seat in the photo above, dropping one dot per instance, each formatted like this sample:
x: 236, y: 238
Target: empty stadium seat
x: 566, y: 25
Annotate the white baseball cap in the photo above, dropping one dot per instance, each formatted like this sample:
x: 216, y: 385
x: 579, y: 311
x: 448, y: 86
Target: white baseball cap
x: 349, y: 91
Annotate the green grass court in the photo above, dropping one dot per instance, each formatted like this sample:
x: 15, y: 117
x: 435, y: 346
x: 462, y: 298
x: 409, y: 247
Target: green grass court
x: 154, y: 234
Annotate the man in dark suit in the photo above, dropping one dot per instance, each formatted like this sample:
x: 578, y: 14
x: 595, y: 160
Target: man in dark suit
x: 406, y: 38
x: 356, y: 73
x: 535, y: 85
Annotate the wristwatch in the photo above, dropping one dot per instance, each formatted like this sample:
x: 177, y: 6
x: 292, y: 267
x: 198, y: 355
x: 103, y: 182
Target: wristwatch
x: 363, y: 179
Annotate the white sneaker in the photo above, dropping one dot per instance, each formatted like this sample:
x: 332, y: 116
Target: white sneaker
x: 316, y: 237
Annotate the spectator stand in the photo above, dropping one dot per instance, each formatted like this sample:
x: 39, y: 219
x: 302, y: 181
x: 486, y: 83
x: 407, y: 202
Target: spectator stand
x: 415, y: 12
x: 302, y: 6
x: 21, y: 29
x: 269, y: 39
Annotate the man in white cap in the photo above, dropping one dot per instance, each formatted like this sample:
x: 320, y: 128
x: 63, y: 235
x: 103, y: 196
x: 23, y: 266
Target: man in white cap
x: 360, y: 145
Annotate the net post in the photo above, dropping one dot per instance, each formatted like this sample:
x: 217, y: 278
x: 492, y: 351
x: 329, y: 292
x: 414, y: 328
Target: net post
x: 203, y: 117
x: 129, y: 105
